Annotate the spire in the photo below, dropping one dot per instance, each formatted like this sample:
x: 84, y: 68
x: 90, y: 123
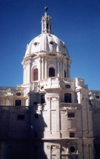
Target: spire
x: 46, y: 22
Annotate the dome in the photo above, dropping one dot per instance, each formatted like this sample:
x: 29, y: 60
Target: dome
x: 46, y: 42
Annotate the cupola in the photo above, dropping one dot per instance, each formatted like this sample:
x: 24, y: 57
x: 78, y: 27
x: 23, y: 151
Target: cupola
x: 46, y: 22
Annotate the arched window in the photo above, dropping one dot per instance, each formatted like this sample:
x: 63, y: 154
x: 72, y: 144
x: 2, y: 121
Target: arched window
x: 42, y: 99
x: 67, y: 98
x: 35, y: 74
x: 51, y: 72
x: 64, y: 74
x: 17, y: 102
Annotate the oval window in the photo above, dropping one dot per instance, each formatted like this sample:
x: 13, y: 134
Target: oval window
x: 97, y: 97
x: 72, y: 149
x: 35, y: 43
x: 18, y: 94
x: 51, y: 42
x: 68, y: 86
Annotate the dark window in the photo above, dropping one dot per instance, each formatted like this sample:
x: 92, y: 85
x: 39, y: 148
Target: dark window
x: 51, y: 72
x: 36, y: 149
x: 71, y: 115
x: 36, y: 116
x: 72, y: 134
x: 47, y: 26
x: 68, y: 86
x: 35, y: 74
x: 35, y: 134
x: 97, y: 97
x: 20, y: 117
x: 65, y: 74
x: 90, y: 103
x: 51, y: 42
x: 42, y: 99
x: 35, y: 43
x: 67, y: 98
x: 35, y: 103
x: 42, y: 88
x: 72, y: 149
x: 18, y: 102
x: 18, y: 94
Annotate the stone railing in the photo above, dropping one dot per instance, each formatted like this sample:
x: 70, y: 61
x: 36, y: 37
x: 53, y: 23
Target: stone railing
x: 14, y: 108
x: 79, y: 83
x: 12, y: 88
x: 53, y: 82
x: 71, y: 105
x: 69, y: 79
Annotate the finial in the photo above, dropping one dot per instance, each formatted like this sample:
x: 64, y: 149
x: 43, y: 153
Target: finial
x: 46, y: 8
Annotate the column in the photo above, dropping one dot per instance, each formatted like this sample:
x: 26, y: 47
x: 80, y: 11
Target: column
x: 42, y: 68
x: 46, y: 68
x: 58, y: 67
x: 62, y: 68
x: 29, y: 62
x: 49, y: 113
x: 24, y: 74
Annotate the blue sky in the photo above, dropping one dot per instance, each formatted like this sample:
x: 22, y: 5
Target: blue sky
x: 76, y: 22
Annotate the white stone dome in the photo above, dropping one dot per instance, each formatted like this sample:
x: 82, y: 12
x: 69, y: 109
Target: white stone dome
x: 46, y: 42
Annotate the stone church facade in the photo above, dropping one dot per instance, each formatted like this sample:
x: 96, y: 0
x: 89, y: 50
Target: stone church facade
x: 57, y: 113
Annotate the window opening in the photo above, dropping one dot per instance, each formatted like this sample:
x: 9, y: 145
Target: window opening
x: 72, y: 134
x: 36, y: 149
x: 18, y: 94
x: 72, y: 149
x: 20, y: 117
x: 71, y: 115
x: 36, y: 116
x: 67, y: 98
x: 42, y: 98
x: 65, y: 74
x: 17, y: 102
x: 35, y: 134
x: 68, y: 86
x: 90, y: 103
x: 51, y: 42
x: 35, y: 74
x: 34, y: 103
x: 97, y: 97
x: 47, y: 26
x: 35, y: 43
x: 51, y: 72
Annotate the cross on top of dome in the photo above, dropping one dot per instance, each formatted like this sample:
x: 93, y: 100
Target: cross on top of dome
x: 46, y: 8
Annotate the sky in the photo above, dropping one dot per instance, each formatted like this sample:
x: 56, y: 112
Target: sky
x: 76, y: 22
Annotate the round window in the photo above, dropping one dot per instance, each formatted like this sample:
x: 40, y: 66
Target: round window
x: 18, y: 94
x: 35, y: 43
x: 51, y: 42
x: 68, y: 86
x: 72, y: 149
x: 97, y: 97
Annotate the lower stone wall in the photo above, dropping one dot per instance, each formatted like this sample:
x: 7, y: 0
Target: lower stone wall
x: 96, y: 130
x: 97, y: 148
x: 30, y: 149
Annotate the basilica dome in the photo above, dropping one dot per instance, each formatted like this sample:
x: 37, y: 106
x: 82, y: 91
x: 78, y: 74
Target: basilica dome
x: 46, y: 42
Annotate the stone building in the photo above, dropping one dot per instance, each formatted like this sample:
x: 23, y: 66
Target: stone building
x: 50, y: 115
